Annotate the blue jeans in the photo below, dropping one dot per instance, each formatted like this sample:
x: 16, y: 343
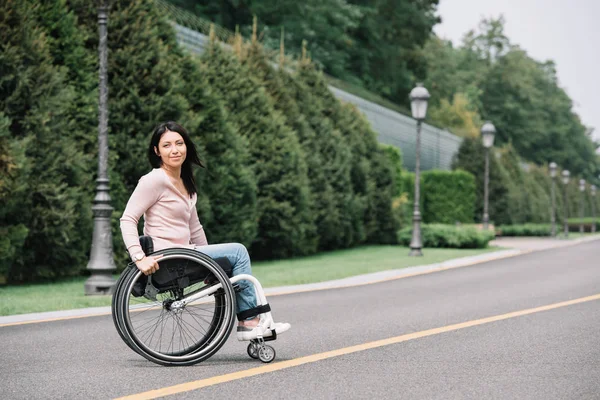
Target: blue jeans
x: 238, y: 256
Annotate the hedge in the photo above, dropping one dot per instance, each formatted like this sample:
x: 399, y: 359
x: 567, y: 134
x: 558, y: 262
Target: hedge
x: 449, y: 197
x: 448, y: 236
x: 527, y: 230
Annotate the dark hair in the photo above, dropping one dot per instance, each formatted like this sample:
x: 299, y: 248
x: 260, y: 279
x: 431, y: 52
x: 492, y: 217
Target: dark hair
x: 191, y: 157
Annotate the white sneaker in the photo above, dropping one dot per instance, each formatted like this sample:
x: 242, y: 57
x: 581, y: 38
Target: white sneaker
x: 247, y: 333
x: 280, y: 327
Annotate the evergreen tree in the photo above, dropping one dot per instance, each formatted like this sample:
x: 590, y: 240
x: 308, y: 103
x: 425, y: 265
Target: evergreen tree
x: 12, y: 191
x: 145, y: 88
x: 227, y: 188
x: 470, y: 158
x: 376, y: 170
x: 363, y: 146
x: 529, y: 205
x: 281, y: 86
x: 336, y: 227
x: 283, y: 199
x: 35, y: 100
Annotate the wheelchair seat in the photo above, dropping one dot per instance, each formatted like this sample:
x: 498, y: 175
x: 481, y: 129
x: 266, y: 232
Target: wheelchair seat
x: 223, y: 262
x: 177, y: 272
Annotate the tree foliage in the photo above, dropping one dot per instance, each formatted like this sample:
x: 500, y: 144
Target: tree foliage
x: 375, y: 44
x: 283, y: 197
x: 46, y: 164
x: 489, y: 77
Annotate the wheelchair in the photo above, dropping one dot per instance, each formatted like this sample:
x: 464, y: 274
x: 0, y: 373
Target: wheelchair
x: 184, y: 312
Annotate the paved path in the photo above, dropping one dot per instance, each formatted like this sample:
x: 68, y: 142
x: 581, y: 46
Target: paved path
x: 426, y: 336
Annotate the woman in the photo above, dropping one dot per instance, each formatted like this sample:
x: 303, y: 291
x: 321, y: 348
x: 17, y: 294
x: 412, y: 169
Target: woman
x: 166, y: 197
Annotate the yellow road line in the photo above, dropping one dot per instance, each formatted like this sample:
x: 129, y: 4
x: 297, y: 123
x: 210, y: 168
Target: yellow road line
x: 194, y: 385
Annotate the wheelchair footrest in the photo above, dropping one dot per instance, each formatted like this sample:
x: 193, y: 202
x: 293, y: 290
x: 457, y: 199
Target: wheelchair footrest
x: 268, y: 338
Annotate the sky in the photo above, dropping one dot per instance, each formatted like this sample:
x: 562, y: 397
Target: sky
x: 565, y: 31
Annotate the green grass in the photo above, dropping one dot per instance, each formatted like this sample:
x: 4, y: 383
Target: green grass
x: 68, y: 294
x: 344, y: 263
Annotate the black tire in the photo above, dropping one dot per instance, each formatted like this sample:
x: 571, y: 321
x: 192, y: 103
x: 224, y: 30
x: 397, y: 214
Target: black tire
x: 252, y: 350
x: 115, y: 297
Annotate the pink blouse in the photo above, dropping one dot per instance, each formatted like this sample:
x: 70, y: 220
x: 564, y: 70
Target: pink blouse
x: 170, y: 217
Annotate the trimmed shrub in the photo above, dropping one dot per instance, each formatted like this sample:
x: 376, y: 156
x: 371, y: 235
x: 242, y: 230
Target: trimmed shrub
x: 449, y: 197
x: 448, y: 236
x: 527, y: 230
x: 574, y: 224
x: 408, y: 183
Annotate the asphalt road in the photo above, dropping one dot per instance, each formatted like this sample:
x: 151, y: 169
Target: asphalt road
x: 551, y: 354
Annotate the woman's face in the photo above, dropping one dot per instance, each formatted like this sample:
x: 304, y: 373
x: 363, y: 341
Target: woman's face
x: 171, y: 149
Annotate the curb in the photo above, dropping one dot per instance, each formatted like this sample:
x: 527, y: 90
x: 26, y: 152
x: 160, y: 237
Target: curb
x: 353, y: 281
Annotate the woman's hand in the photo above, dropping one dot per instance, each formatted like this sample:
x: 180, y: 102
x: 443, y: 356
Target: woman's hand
x: 149, y: 264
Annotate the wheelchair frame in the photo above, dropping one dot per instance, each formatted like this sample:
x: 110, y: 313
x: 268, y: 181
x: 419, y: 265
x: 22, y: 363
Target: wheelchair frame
x: 214, y: 301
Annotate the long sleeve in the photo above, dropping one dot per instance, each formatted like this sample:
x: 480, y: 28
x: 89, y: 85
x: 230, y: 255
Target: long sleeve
x: 197, y: 235
x: 146, y: 193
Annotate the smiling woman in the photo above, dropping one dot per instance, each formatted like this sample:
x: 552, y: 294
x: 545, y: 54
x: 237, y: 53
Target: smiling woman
x: 166, y: 197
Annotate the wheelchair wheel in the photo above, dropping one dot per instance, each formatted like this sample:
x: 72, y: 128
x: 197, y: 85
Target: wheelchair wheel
x: 153, y: 320
x: 116, y: 296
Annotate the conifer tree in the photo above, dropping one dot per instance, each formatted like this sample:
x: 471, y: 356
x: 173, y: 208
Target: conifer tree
x: 227, y: 187
x: 278, y: 85
x: 338, y: 151
x: 377, y: 171
x: 50, y: 173
x: 330, y: 174
x: 369, y: 188
x: 283, y: 199
x: 145, y: 88
x: 470, y: 157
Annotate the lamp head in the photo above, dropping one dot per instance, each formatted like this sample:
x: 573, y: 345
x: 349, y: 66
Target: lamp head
x: 488, y: 131
x: 418, y: 102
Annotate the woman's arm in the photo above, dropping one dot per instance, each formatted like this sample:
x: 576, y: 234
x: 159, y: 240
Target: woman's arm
x: 197, y: 235
x: 146, y: 193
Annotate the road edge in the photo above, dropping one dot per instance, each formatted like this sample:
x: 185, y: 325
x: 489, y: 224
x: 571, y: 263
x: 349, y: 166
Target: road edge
x: 358, y: 280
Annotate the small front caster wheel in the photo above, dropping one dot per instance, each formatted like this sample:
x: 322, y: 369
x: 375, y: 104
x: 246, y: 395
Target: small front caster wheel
x: 266, y: 353
x: 253, y: 350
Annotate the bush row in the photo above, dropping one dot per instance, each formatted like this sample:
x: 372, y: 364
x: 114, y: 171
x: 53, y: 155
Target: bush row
x: 526, y: 230
x: 520, y: 193
x: 448, y: 236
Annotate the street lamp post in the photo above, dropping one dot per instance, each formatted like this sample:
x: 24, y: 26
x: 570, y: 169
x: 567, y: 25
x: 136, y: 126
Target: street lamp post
x: 418, y: 101
x: 487, y: 134
x: 565, y: 180
x: 593, y: 194
x: 582, y: 205
x: 553, y: 195
x: 101, y: 263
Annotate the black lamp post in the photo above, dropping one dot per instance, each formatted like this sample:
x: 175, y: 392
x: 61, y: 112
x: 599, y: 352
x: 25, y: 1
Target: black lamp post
x: 593, y: 194
x: 553, y: 195
x: 418, y: 102
x: 487, y: 134
x: 582, y: 205
x: 565, y: 180
x: 101, y: 263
